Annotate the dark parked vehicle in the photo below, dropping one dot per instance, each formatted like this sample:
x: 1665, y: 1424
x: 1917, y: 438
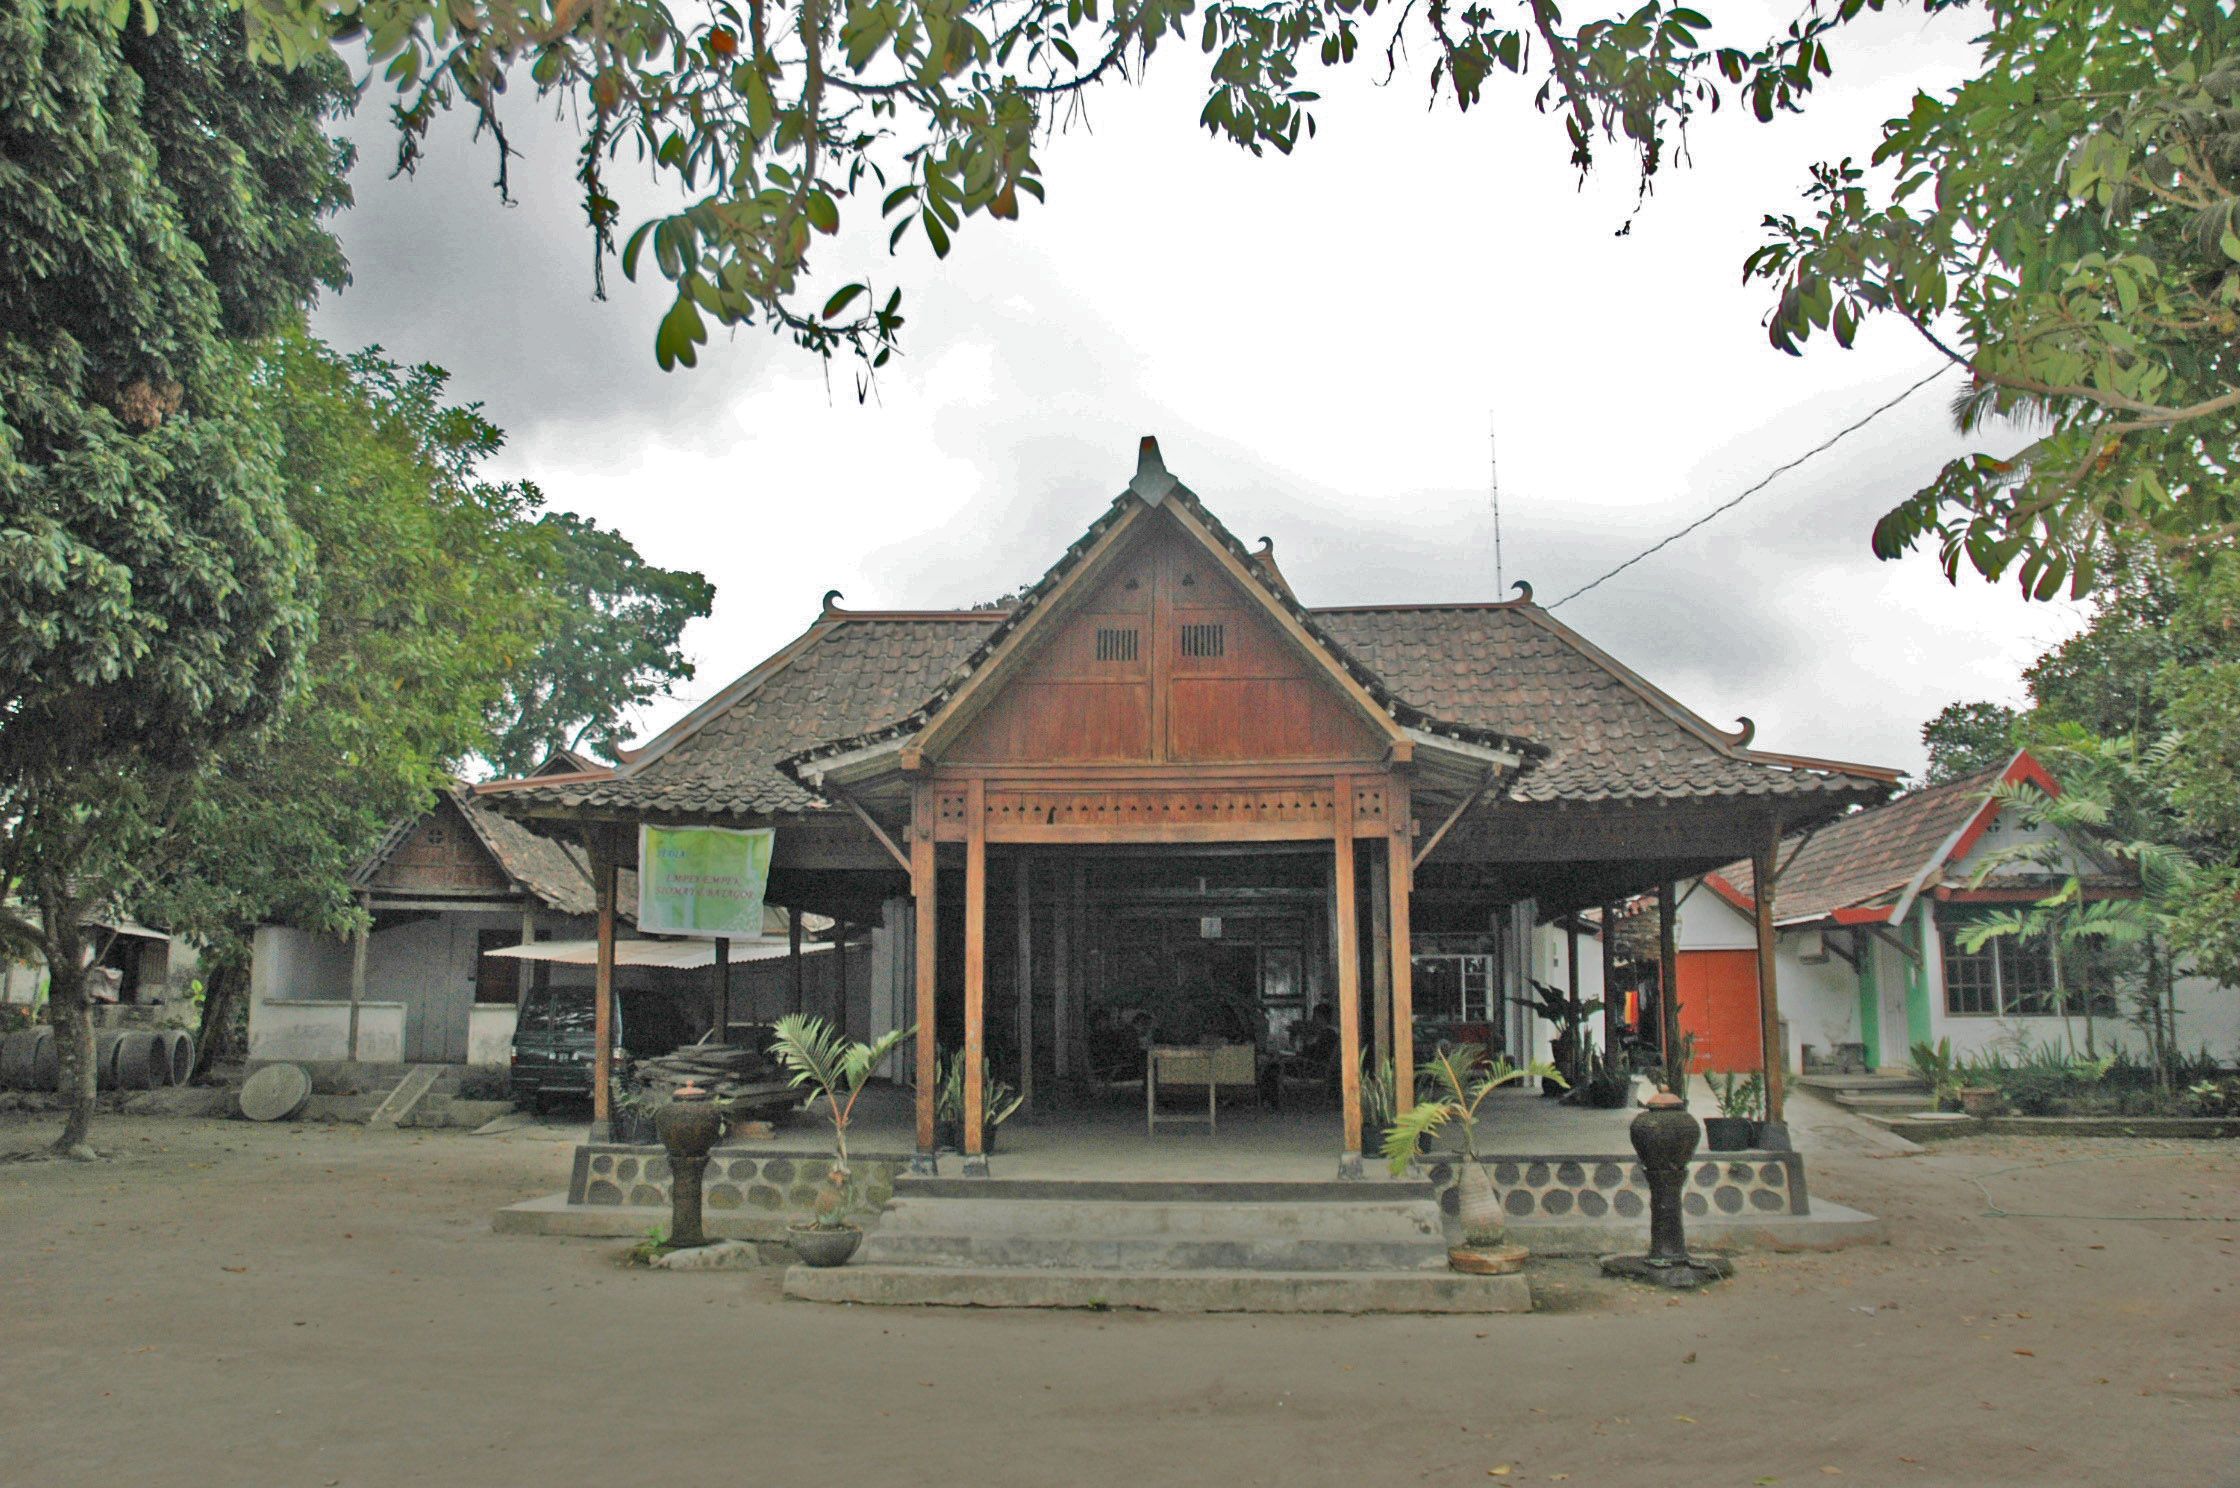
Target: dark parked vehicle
x: 553, y: 1048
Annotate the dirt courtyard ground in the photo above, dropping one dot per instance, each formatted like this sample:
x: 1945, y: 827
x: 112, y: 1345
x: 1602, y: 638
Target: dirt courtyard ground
x: 227, y: 1304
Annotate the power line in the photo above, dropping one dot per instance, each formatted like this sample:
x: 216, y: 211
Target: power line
x: 1726, y: 506
x: 1493, y: 469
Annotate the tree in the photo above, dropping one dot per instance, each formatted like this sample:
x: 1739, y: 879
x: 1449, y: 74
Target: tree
x: 2062, y: 227
x: 426, y: 595
x: 1966, y: 739
x: 611, y: 641
x: 161, y: 209
x: 771, y: 120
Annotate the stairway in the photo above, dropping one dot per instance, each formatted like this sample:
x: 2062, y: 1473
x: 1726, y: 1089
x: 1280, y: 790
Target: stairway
x: 1873, y: 1093
x: 1202, y: 1247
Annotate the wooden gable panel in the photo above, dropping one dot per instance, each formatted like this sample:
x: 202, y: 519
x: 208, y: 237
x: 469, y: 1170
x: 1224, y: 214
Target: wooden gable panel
x: 1166, y: 660
x: 442, y: 855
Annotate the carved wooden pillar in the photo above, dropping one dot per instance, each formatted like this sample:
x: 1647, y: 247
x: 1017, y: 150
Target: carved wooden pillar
x: 922, y: 878
x: 975, y: 974
x: 1400, y: 884
x: 1763, y: 872
x: 1349, y: 980
x: 603, y: 871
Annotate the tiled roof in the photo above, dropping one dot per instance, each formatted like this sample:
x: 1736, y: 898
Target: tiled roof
x: 1866, y: 858
x: 1508, y: 675
x: 552, y: 871
x: 1610, y: 734
x: 848, y: 675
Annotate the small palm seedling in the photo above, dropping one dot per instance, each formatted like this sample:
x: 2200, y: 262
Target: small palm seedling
x: 1455, y: 1084
x: 836, y: 1071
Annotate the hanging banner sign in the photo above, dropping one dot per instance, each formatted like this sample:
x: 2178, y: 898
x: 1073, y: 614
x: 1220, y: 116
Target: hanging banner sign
x: 705, y: 881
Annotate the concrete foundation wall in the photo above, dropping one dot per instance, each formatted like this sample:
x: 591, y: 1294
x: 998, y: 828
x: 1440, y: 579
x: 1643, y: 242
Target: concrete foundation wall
x: 301, y: 1029
x: 490, y: 1033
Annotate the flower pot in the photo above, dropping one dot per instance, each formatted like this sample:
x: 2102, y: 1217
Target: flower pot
x: 1982, y: 1100
x: 1729, y: 1133
x: 1477, y: 1205
x: 823, y: 1247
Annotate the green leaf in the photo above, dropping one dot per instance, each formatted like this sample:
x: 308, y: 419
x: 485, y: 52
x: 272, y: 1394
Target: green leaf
x: 840, y: 301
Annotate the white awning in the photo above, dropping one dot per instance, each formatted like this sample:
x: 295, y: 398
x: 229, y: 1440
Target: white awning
x: 677, y: 955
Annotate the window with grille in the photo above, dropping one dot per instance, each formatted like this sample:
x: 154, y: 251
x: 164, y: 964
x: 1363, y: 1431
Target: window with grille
x: 1116, y: 643
x: 1971, y: 978
x: 2007, y: 978
x: 1203, y: 640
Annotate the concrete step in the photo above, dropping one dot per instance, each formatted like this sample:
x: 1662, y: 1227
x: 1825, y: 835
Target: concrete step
x: 1886, y: 1100
x: 1393, y: 1219
x: 398, y: 1107
x: 1190, y: 1291
x: 1378, y: 1190
x: 1837, y: 1085
x: 1151, y: 1253
x: 1397, y: 1232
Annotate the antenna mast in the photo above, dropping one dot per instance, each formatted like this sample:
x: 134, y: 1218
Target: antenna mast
x: 1493, y: 470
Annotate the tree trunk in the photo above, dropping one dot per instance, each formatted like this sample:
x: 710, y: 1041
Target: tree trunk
x: 220, y: 995
x: 72, y: 1020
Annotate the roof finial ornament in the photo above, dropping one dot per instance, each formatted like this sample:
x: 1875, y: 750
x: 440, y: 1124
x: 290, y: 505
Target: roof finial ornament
x: 829, y: 596
x: 1741, y: 737
x: 1151, y: 482
x: 1524, y: 592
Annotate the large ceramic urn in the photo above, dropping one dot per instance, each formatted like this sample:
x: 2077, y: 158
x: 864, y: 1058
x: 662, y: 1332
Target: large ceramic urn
x: 1664, y: 1137
x: 688, y: 1126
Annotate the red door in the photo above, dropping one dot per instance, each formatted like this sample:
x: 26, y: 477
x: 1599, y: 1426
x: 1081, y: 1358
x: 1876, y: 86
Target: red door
x: 1719, y: 1005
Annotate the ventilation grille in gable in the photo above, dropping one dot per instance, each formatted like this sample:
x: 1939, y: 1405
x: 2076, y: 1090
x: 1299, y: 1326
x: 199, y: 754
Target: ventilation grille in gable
x: 1115, y: 644
x: 1202, y: 640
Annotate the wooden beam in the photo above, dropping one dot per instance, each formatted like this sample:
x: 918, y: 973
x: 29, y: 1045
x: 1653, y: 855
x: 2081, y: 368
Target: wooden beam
x: 1024, y: 982
x: 1769, y: 997
x: 840, y: 975
x: 922, y: 880
x: 1611, y: 1010
x: 1668, y: 978
x: 1401, y: 886
x: 793, y: 953
x: 358, y: 940
x: 1461, y: 809
x: 975, y: 977
x: 723, y: 989
x: 902, y: 859
x: 525, y: 974
x: 1061, y: 969
x: 1577, y: 1072
x: 603, y: 871
x: 1349, y: 982
x: 1378, y: 1043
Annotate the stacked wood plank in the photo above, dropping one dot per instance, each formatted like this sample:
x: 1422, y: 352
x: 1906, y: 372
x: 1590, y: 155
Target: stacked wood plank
x: 745, y: 1079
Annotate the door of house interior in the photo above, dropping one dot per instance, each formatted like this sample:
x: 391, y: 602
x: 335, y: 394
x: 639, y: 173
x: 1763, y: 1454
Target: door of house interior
x: 1719, y: 1005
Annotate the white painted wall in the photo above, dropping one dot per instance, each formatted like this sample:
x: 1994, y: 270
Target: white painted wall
x: 490, y: 1033
x: 319, y: 1029
x: 2208, y: 1015
x: 1549, y: 953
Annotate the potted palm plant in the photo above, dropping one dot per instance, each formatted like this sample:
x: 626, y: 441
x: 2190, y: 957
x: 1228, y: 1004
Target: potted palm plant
x: 1741, y: 1096
x: 998, y: 1103
x: 1456, y: 1082
x: 836, y: 1071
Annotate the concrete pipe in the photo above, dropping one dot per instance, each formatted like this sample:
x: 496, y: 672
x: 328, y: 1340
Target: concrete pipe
x: 178, y: 1056
x: 105, y: 1042
x: 19, y: 1053
x: 141, y: 1062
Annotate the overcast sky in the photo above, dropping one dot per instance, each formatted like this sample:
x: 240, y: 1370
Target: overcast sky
x: 1319, y: 344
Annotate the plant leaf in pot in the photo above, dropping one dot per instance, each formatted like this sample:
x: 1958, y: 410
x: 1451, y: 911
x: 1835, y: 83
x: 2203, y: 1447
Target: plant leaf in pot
x: 835, y: 1071
x: 1460, y: 1078
x: 1741, y: 1095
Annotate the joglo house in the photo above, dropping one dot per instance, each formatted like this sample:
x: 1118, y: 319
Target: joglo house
x: 1161, y: 804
